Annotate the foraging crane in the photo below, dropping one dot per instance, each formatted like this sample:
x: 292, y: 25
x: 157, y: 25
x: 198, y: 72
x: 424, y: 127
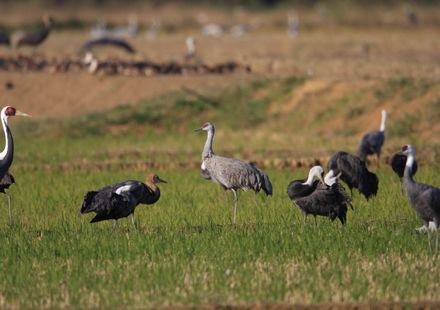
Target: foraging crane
x: 7, y: 155
x: 324, y: 198
x: 354, y: 173
x: 36, y: 38
x: 231, y: 174
x: 372, y: 142
x: 424, y: 198
x: 116, y: 201
x: 107, y: 41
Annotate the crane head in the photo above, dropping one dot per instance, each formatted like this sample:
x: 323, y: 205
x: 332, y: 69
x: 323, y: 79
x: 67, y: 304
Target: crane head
x: 154, y: 179
x: 11, y: 111
x: 205, y: 127
x: 408, y: 149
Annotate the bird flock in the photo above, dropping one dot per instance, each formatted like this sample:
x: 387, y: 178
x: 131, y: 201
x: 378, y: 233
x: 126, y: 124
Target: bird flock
x: 320, y: 194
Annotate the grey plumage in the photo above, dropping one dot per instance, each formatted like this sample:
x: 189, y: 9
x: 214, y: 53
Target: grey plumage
x: 320, y: 198
x: 373, y: 141
x: 424, y: 198
x: 354, y: 173
x: 231, y: 174
x: 107, y: 41
x: 119, y: 200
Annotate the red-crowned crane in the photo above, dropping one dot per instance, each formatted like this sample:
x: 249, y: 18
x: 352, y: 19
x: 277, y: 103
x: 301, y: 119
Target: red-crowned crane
x: 373, y: 141
x: 232, y: 174
x: 119, y: 200
x: 7, y: 155
x: 424, y: 198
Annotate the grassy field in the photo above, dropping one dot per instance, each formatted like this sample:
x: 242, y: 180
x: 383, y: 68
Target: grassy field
x: 186, y: 250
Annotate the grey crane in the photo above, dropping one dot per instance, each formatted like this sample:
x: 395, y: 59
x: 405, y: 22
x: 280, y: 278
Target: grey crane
x: 354, y: 173
x: 231, y: 174
x: 320, y: 198
x: 372, y: 142
x: 7, y: 155
x: 424, y: 198
x: 119, y: 200
x: 36, y: 38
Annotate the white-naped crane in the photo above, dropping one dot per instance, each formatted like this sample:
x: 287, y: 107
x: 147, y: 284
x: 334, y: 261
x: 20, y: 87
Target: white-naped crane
x: 232, y: 174
x: 119, y: 200
x: 325, y: 197
x: 354, y: 173
x: 36, y: 38
x: 7, y: 155
x: 424, y: 198
x: 372, y: 142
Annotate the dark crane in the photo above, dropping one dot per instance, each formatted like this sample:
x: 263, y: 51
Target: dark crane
x: 373, y: 141
x: 324, y: 198
x: 232, y: 174
x: 7, y: 155
x: 354, y: 173
x: 119, y: 200
x: 424, y: 198
x: 107, y: 41
x: 36, y: 38
x: 5, y: 39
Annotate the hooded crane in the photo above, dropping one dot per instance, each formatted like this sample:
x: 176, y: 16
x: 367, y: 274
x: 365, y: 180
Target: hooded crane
x: 119, y: 200
x: 372, y: 142
x: 232, y: 174
x: 110, y: 42
x: 398, y: 163
x: 354, y: 173
x: 36, y: 38
x: 7, y: 155
x: 425, y: 199
x: 324, y: 198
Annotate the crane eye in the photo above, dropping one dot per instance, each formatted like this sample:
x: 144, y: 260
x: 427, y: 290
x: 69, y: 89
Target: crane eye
x: 404, y: 148
x: 10, y: 111
x: 205, y: 125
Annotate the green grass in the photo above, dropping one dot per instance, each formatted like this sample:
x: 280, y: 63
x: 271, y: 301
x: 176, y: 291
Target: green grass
x: 186, y: 250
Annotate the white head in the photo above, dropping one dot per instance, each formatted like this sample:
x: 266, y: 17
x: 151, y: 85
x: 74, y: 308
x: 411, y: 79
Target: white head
x: 383, y: 120
x: 11, y: 111
x: 315, y: 171
x: 190, y: 45
x: 330, y: 178
x: 408, y: 150
x: 208, y: 126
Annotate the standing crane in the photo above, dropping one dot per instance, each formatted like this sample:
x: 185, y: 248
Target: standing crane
x: 424, y: 198
x: 373, y: 141
x: 231, y: 174
x: 36, y: 38
x: 119, y: 200
x: 7, y: 155
x: 354, y: 173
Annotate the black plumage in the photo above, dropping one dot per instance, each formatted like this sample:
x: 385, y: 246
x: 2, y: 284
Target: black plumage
x: 37, y: 37
x: 6, y: 182
x: 119, y: 200
x: 424, y: 198
x: 398, y: 162
x: 106, y: 41
x: 316, y: 198
x: 354, y: 173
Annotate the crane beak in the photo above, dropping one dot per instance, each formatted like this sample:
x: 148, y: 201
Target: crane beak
x: 162, y: 181
x: 198, y: 129
x: 19, y: 113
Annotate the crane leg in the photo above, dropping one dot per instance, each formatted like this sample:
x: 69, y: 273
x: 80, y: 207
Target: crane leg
x: 429, y: 241
x: 305, y: 221
x: 378, y: 160
x: 114, y: 225
x: 132, y: 220
x: 436, y: 242
x: 314, y: 219
x: 235, y: 204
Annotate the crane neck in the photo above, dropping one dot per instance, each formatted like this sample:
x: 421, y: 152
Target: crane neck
x: 407, y: 174
x: 7, y: 154
x: 310, y: 178
x: 207, y: 149
x: 383, y: 121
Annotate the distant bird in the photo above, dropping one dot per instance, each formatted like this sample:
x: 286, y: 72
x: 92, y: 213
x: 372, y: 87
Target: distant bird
x: 231, y: 174
x: 116, y: 201
x: 36, y: 38
x: 7, y: 155
x: 411, y: 16
x: 292, y: 25
x: 373, y: 141
x: 354, y: 173
x: 154, y: 29
x: 107, y: 41
x: 5, y: 39
x: 129, y: 30
x: 425, y: 199
x: 212, y: 30
x: 99, y: 30
x: 190, y: 47
x: 324, y: 198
